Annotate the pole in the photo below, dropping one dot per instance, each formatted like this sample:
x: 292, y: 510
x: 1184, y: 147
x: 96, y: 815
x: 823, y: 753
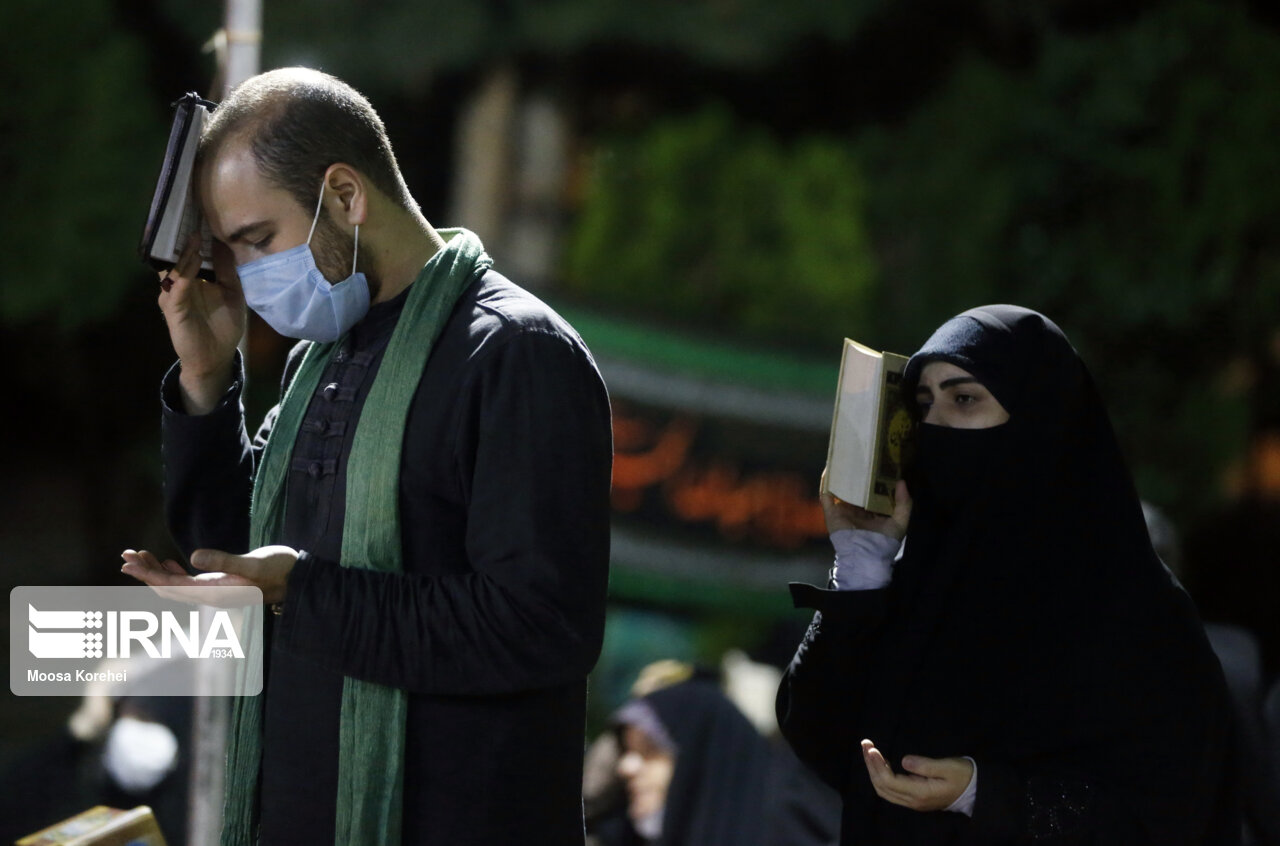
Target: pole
x: 244, y: 41
x: 242, y: 36
x: 239, y: 57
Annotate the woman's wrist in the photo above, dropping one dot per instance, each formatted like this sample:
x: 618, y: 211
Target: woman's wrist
x: 864, y: 559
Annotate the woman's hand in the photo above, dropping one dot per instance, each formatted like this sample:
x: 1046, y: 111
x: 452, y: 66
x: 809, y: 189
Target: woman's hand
x: 929, y: 784
x: 841, y: 515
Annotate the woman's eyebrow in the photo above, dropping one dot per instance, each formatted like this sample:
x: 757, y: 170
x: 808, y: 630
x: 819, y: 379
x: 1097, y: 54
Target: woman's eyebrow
x: 948, y: 383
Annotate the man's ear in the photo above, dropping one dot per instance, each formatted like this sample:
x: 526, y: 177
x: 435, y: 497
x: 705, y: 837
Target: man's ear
x: 349, y: 192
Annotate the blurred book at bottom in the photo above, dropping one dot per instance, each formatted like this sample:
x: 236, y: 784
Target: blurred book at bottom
x: 101, y: 826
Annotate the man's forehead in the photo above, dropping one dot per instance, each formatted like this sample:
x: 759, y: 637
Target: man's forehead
x: 232, y: 164
x: 234, y: 193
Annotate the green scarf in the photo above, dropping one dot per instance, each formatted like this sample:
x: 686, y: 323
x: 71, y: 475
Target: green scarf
x: 371, y: 736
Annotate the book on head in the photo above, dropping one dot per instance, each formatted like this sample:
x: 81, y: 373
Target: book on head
x: 175, y: 213
x: 869, y: 429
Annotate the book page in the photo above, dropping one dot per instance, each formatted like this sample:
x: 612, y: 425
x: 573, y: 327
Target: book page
x: 181, y: 214
x: 193, y: 221
x: 175, y: 222
x: 850, y: 453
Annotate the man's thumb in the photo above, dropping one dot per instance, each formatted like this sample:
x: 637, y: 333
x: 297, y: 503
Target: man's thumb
x: 212, y: 559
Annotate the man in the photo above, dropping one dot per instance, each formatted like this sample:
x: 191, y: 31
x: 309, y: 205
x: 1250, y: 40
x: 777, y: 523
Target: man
x: 429, y: 501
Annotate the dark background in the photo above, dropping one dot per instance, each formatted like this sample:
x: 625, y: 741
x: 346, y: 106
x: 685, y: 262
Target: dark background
x: 767, y: 176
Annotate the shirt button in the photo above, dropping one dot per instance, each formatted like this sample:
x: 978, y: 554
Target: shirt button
x: 314, y: 470
x: 330, y: 391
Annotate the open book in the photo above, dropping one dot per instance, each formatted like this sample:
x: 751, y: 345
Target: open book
x: 868, y: 430
x: 175, y: 214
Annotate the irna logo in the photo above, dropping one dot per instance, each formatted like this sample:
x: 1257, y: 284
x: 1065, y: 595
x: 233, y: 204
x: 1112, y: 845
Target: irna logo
x: 119, y: 634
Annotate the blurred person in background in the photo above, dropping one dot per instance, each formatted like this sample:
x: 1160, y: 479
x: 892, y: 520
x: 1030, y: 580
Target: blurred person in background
x: 426, y: 511
x: 1023, y: 668
x: 694, y: 771
x: 123, y: 746
x: 603, y: 790
x: 1238, y: 650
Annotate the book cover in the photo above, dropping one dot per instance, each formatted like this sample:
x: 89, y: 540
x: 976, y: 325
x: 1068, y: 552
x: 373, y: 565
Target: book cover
x: 869, y: 429
x: 101, y: 826
x: 174, y: 212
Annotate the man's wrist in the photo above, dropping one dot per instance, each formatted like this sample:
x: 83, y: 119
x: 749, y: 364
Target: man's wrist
x: 201, y: 393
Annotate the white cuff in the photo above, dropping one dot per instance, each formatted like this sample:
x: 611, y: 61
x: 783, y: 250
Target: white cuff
x: 864, y: 559
x: 964, y: 804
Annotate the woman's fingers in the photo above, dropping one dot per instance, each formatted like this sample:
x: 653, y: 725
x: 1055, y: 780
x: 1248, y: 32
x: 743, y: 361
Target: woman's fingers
x: 883, y: 778
x: 930, y: 784
x: 901, y: 505
x: 841, y: 515
x: 877, y: 766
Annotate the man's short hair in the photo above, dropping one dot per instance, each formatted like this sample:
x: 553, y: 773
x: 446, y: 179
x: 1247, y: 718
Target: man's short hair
x: 299, y: 121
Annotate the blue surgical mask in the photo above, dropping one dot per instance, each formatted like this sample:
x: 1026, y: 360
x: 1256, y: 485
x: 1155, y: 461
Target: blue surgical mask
x: 289, y: 292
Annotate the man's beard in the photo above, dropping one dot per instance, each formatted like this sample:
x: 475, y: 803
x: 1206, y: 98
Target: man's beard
x: 333, y: 250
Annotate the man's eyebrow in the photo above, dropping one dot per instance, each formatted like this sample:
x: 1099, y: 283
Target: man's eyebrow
x: 239, y: 234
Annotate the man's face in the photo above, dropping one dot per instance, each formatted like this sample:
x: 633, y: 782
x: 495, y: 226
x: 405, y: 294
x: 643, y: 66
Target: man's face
x: 255, y: 218
x: 246, y: 212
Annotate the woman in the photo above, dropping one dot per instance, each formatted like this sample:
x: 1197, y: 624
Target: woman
x: 697, y: 773
x: 1026, y: 670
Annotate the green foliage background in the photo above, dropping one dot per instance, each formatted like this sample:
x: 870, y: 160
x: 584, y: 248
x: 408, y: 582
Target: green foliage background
x: 79, y: 154
x: 1126, y: 182
x: 704, y: 219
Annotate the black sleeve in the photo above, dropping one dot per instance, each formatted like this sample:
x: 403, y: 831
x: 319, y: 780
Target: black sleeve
x: 822, y: 685
x: 209, y: 463
x: 208, y: 469
x: 525, y: 610
x: 1158, y: 775
x: 1079, y: 800
x: 1056, y: 804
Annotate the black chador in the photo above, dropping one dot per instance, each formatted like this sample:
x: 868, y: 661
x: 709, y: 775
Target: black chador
x: 1028, y: 625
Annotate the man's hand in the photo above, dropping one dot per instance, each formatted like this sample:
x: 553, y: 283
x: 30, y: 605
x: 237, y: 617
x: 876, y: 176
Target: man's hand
x: 206, y: 322
x: 842, y: 515
x: 929, y: 784
x: 266, y: 568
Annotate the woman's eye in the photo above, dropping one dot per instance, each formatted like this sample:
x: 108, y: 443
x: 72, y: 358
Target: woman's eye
x: 965, y: 399
x: 259, y: 245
